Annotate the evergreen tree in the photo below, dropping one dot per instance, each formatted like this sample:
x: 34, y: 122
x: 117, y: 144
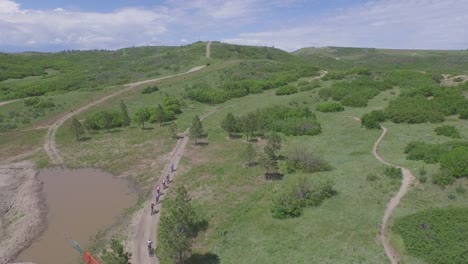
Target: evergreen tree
x: 173, y: 129
x: 250, y: 154
x: 273, y: 145
x: 229, y: 124
x: 196, y: 129
x: 117, y: 254
x: 77, y: 128
x: 124, y: 114
x: 177, y: 228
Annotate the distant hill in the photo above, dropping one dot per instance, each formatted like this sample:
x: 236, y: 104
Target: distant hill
x: 444, y: 61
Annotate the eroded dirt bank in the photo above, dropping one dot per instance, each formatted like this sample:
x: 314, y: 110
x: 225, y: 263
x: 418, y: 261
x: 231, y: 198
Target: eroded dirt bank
x: 23, y: 212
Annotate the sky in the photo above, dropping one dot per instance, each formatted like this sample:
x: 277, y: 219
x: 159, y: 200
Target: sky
x: 55, y: 25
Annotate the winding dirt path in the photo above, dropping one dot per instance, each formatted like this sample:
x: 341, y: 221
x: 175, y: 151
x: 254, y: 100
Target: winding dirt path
x: 394, y: 201
x: 50, y: 145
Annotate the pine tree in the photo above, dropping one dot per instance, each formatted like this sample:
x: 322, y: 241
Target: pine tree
x: 229, y: 124
x: 117, y: 254
x: 124, y: 114
x: 77, y: 128
x: 196, y: 129
x: 250, y: 154
x: 177, y: 228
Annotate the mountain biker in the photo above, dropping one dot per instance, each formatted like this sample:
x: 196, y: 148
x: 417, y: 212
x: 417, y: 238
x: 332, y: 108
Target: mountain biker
x: 158, y: 189
x: 152, y: 208
x: 164, y: 184
x: 157, y: 197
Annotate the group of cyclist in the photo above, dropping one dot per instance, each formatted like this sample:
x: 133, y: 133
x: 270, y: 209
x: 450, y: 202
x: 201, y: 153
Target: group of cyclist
x: 165, y: 184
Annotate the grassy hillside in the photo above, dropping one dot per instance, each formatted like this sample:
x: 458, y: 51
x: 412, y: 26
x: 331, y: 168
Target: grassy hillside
x: 398, y: 89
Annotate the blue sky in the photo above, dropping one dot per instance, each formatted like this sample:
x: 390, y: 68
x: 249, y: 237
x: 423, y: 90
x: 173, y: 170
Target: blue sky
x: 56, y: 25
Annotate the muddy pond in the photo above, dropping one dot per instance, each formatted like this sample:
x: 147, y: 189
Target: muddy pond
x: 81, y: 202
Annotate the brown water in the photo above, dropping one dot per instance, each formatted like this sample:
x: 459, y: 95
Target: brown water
x: 80, y: 203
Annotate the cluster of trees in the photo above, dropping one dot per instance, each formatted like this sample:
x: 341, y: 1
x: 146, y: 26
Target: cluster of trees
x: 329, y: 107
x: 287, y: 120
x: 448, y: 131
x: 116, y: 254
x: 179, y: 225
x: 452, y: 157
x: 355, y: 93
x: 298, y: 193
x: 164, y: 112
x: 421, y: 105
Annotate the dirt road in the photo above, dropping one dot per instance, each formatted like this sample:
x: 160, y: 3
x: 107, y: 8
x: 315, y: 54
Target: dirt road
x: 50, y: 145
x: 147, y: 225
x: 208, y: 49
x: 394, y: 201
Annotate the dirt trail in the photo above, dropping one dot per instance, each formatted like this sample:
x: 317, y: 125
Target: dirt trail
x: 208, y: 49
x: 50, y: 145
x: 7, y: 102
x: 146, y: 224
x: 394, y: 201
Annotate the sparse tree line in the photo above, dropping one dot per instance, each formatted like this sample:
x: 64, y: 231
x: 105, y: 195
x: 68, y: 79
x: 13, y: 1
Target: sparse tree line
x: 287, y: 120
x: 109, y: 119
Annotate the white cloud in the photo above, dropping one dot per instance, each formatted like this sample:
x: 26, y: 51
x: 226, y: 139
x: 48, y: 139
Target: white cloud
x: 80, y: 30
x: 387, y: 23
x: 7, y: 6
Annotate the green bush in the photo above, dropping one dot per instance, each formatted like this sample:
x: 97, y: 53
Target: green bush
x: 464, y: 113
x: 150, y: 89
x: 286, y: 90
x: 297, y: 194
x: 393, y: 173
x: 437, y: 235
x: 456, y: 162
x: 448, y: 131
x: 329, y: 107
x: 373, y: 119
x: 303, y: 159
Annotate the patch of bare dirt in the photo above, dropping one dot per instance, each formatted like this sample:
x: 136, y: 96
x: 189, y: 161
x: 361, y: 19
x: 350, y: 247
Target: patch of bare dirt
x: 449, y: 80
x: 23, y: 213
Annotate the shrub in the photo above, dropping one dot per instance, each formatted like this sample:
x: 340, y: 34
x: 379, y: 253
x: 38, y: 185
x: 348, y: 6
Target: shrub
x: 448, y: 131
x: 150, y: 89
x: 393, y: 173
x: 464, y: 113
x: 436, y: 235
x: 302, y: 83
x: 456, y: 162
x: 286, y: 90
x: 329, y: 107
x: 297, y: 194
x: 301, y: 158
x: 325, y: 93
x: 371, y: 177
x: 373, y: 119
x: 443, y: 178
